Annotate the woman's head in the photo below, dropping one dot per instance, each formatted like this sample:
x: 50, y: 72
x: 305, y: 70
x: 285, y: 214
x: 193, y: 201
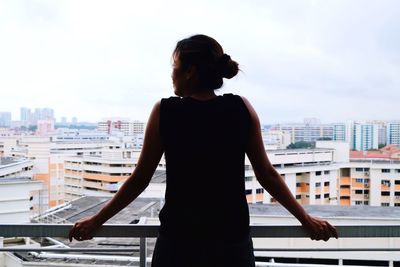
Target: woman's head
x: 201, y: 60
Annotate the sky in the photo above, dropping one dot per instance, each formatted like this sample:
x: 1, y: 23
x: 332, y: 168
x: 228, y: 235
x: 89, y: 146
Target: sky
x: 335, y: 60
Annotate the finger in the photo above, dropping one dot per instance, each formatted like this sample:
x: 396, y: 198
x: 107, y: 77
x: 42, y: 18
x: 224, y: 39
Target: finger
x: 333, y: 231
x: 71, y: 233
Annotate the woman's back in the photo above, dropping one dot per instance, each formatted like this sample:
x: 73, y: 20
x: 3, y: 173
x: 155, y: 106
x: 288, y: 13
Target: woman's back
x: 204, y: 144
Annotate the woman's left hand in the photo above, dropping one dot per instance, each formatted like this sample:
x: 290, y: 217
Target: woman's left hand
x: 319, y: 229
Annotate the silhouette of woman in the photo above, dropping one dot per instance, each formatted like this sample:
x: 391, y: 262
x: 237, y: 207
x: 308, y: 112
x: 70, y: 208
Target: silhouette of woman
x: 205, y: 137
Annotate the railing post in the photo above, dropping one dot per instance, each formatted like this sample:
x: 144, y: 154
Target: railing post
x: 143, y: 252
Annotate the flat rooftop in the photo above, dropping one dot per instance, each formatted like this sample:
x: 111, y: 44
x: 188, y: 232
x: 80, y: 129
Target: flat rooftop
x: 7, y: 160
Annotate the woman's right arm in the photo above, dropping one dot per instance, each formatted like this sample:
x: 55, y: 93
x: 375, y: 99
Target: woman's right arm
x: 140, y: 178
x: 270, y: 179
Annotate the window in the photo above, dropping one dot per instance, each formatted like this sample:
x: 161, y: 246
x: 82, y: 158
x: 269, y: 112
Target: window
x: 259, y: 190
x: 358, y: 191
x: 397, y: 193
x: 317, y: 184
x: 385, y: 193
x: 359, y: 180
x: 326, y: 172
x: 359, y: 169
x: 318, y: 173
x: 326, y: 195
x: 385, y: 170
x: 298, y: 184
x: 385, y: 182
x: 358, y: 202
x: 384, y: 204
x: 397, y: 170
x: 366, y: 202
x: 298, y: 196
x: 317, y: 196
x: 396, y: 181
x: 366, y: 191
x: 396, y: 204
x: 326, y: 183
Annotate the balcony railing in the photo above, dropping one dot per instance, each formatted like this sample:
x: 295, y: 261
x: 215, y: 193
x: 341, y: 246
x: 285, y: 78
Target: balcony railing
x: 151, y: 231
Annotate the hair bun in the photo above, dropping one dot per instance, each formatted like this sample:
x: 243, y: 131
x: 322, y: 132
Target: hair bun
x: 227, y: 67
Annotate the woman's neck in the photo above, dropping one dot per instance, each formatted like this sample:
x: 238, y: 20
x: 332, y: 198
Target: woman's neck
x: 203, y: 95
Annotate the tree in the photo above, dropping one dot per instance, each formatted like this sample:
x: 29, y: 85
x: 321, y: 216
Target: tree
x: 301, y: 144
x: 32, y: 128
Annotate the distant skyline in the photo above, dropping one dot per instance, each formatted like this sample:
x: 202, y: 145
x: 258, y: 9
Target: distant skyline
x: 334, y: 60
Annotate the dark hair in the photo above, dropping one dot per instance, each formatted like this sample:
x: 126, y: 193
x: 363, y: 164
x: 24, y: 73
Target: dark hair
x: 207, y: 55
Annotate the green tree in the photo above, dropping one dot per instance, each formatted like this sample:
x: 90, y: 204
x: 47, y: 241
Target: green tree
x: 381, y: 146
x: 301, y: 144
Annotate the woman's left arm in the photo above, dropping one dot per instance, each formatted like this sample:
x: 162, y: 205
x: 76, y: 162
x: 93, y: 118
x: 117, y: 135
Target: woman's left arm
x: 270, y: 179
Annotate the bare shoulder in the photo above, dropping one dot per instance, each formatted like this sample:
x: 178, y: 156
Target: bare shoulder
x: 253, y: 113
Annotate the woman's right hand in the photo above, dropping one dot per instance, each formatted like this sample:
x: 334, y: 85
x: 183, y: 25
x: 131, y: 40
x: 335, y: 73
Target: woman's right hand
x: 319, y: 229
x: 84, y: 229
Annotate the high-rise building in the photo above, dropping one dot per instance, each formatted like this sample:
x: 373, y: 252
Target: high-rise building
x: 47, y: 114
x: 339, y: 132
x: 5, y: 119
x: 26, y: 116
x: 309, y: 131
x: 393, y: 133
x: 365, y: 136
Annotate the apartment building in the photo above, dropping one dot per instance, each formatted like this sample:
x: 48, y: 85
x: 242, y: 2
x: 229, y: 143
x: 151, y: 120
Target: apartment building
x: 99, y: 175
x: 120, y: 125
x: 48, y: 155
x: 310, y: 130
x: 393, y: 133
x: 18, y: 192
x: 328, y: 176
x: 275, y: 139
x: 310, y: 174
x: 365, y: 136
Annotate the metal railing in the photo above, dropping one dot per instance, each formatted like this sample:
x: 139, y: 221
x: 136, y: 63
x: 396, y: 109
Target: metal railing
x: 151, y: 231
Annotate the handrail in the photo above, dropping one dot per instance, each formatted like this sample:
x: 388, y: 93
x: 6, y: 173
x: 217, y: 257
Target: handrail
x: 129, y: 230
x: 151, y: 231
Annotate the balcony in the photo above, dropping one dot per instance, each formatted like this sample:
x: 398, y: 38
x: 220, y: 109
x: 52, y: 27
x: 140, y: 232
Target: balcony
x: 150, y: 231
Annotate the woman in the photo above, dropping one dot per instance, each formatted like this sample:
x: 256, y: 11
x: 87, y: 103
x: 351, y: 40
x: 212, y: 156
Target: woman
x: 205, y: 219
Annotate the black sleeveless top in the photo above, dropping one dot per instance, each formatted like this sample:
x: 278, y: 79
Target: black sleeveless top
x: 204, y: 143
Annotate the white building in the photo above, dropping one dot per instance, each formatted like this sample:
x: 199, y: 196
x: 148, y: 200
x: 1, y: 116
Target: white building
x: 275, y: 139
x: 310, y: 130
x: 100, y: 175
x: 45, y: 127
x: 120, y: 125
x: 18, y: 192
x: 365, y: 136
x: 393, y: 133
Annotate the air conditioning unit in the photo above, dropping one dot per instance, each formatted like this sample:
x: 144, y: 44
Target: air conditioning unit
x: 366, y: 173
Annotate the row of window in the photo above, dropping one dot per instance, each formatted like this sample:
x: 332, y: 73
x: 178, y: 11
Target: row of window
x: 382, y: 170
x: 316, y: 196
x: 318, y: 184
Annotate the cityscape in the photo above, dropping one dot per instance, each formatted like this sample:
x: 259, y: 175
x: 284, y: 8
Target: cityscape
x: 53, y: 165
